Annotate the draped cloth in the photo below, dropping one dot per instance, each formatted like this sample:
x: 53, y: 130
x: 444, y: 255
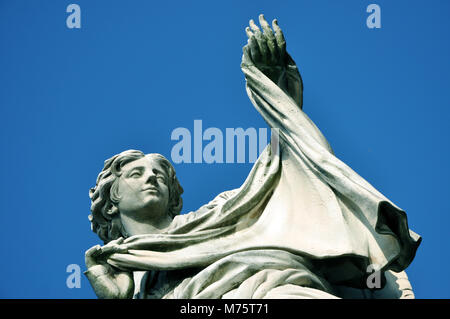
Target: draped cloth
x: 302, y: 220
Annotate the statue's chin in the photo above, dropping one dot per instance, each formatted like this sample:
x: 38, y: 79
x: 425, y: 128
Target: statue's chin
x: 153, y: 209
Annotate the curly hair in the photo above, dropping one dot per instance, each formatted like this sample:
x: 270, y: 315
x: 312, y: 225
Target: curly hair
x: 105, y: 217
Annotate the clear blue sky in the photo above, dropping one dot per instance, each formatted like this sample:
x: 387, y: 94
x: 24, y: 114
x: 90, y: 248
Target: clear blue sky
x: 136, y: 70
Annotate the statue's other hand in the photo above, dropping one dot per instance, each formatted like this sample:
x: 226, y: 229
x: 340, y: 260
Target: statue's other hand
x: 107, y: 281
x: 267, y: 49
x: 98, y: 255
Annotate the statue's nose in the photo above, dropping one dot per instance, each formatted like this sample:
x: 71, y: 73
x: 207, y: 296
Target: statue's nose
x: 151, y: 178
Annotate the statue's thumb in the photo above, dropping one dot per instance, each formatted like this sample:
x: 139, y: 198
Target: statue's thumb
x: 246, y: 59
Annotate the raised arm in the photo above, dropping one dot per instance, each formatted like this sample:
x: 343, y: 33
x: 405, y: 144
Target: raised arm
x: 267, y: 51
x: 274, y: 84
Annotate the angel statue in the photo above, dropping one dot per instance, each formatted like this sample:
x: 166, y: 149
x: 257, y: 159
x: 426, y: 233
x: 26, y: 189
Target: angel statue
x: 302, y: 225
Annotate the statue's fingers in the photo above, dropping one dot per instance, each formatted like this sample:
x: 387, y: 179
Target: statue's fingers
x: 270, y: 38
x: 254, y: 49
x: 261, y: 40
x: 281, y: 42
x: 115, y: 242
x: 106, y: 249
x: 254, y: 26
x: 110, y: 249
x: 93, y: 251
x: 263, y: 47
x: 121, y: 250
x: 248, y: 32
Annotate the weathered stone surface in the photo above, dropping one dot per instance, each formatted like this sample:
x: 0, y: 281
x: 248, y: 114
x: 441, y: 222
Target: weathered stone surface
x: 303, y: 224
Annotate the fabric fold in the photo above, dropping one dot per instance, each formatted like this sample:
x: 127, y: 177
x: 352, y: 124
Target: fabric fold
x: 300, y: 200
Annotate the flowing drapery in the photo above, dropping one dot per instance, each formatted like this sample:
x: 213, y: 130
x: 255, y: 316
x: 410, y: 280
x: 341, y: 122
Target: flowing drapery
x: 299, y: 200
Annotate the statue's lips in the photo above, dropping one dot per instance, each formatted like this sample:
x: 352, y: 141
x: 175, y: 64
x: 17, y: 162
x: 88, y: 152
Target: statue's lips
x: 150, y: 189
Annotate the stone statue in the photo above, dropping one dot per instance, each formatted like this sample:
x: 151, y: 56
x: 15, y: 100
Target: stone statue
x: 302, y: 225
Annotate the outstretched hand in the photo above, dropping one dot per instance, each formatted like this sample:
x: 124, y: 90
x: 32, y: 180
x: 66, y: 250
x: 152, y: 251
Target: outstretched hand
x: 267, y: 49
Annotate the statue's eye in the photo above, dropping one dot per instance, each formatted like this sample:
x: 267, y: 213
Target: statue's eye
x: 161, y: 178
x: 135, y: 174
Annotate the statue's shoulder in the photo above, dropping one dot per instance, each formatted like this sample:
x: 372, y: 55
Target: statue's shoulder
x: 218, y: 201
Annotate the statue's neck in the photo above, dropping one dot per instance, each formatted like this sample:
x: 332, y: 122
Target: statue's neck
x: 136, y: 227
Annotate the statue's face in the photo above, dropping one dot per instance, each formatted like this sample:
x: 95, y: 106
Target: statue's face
x: 143, y: 189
